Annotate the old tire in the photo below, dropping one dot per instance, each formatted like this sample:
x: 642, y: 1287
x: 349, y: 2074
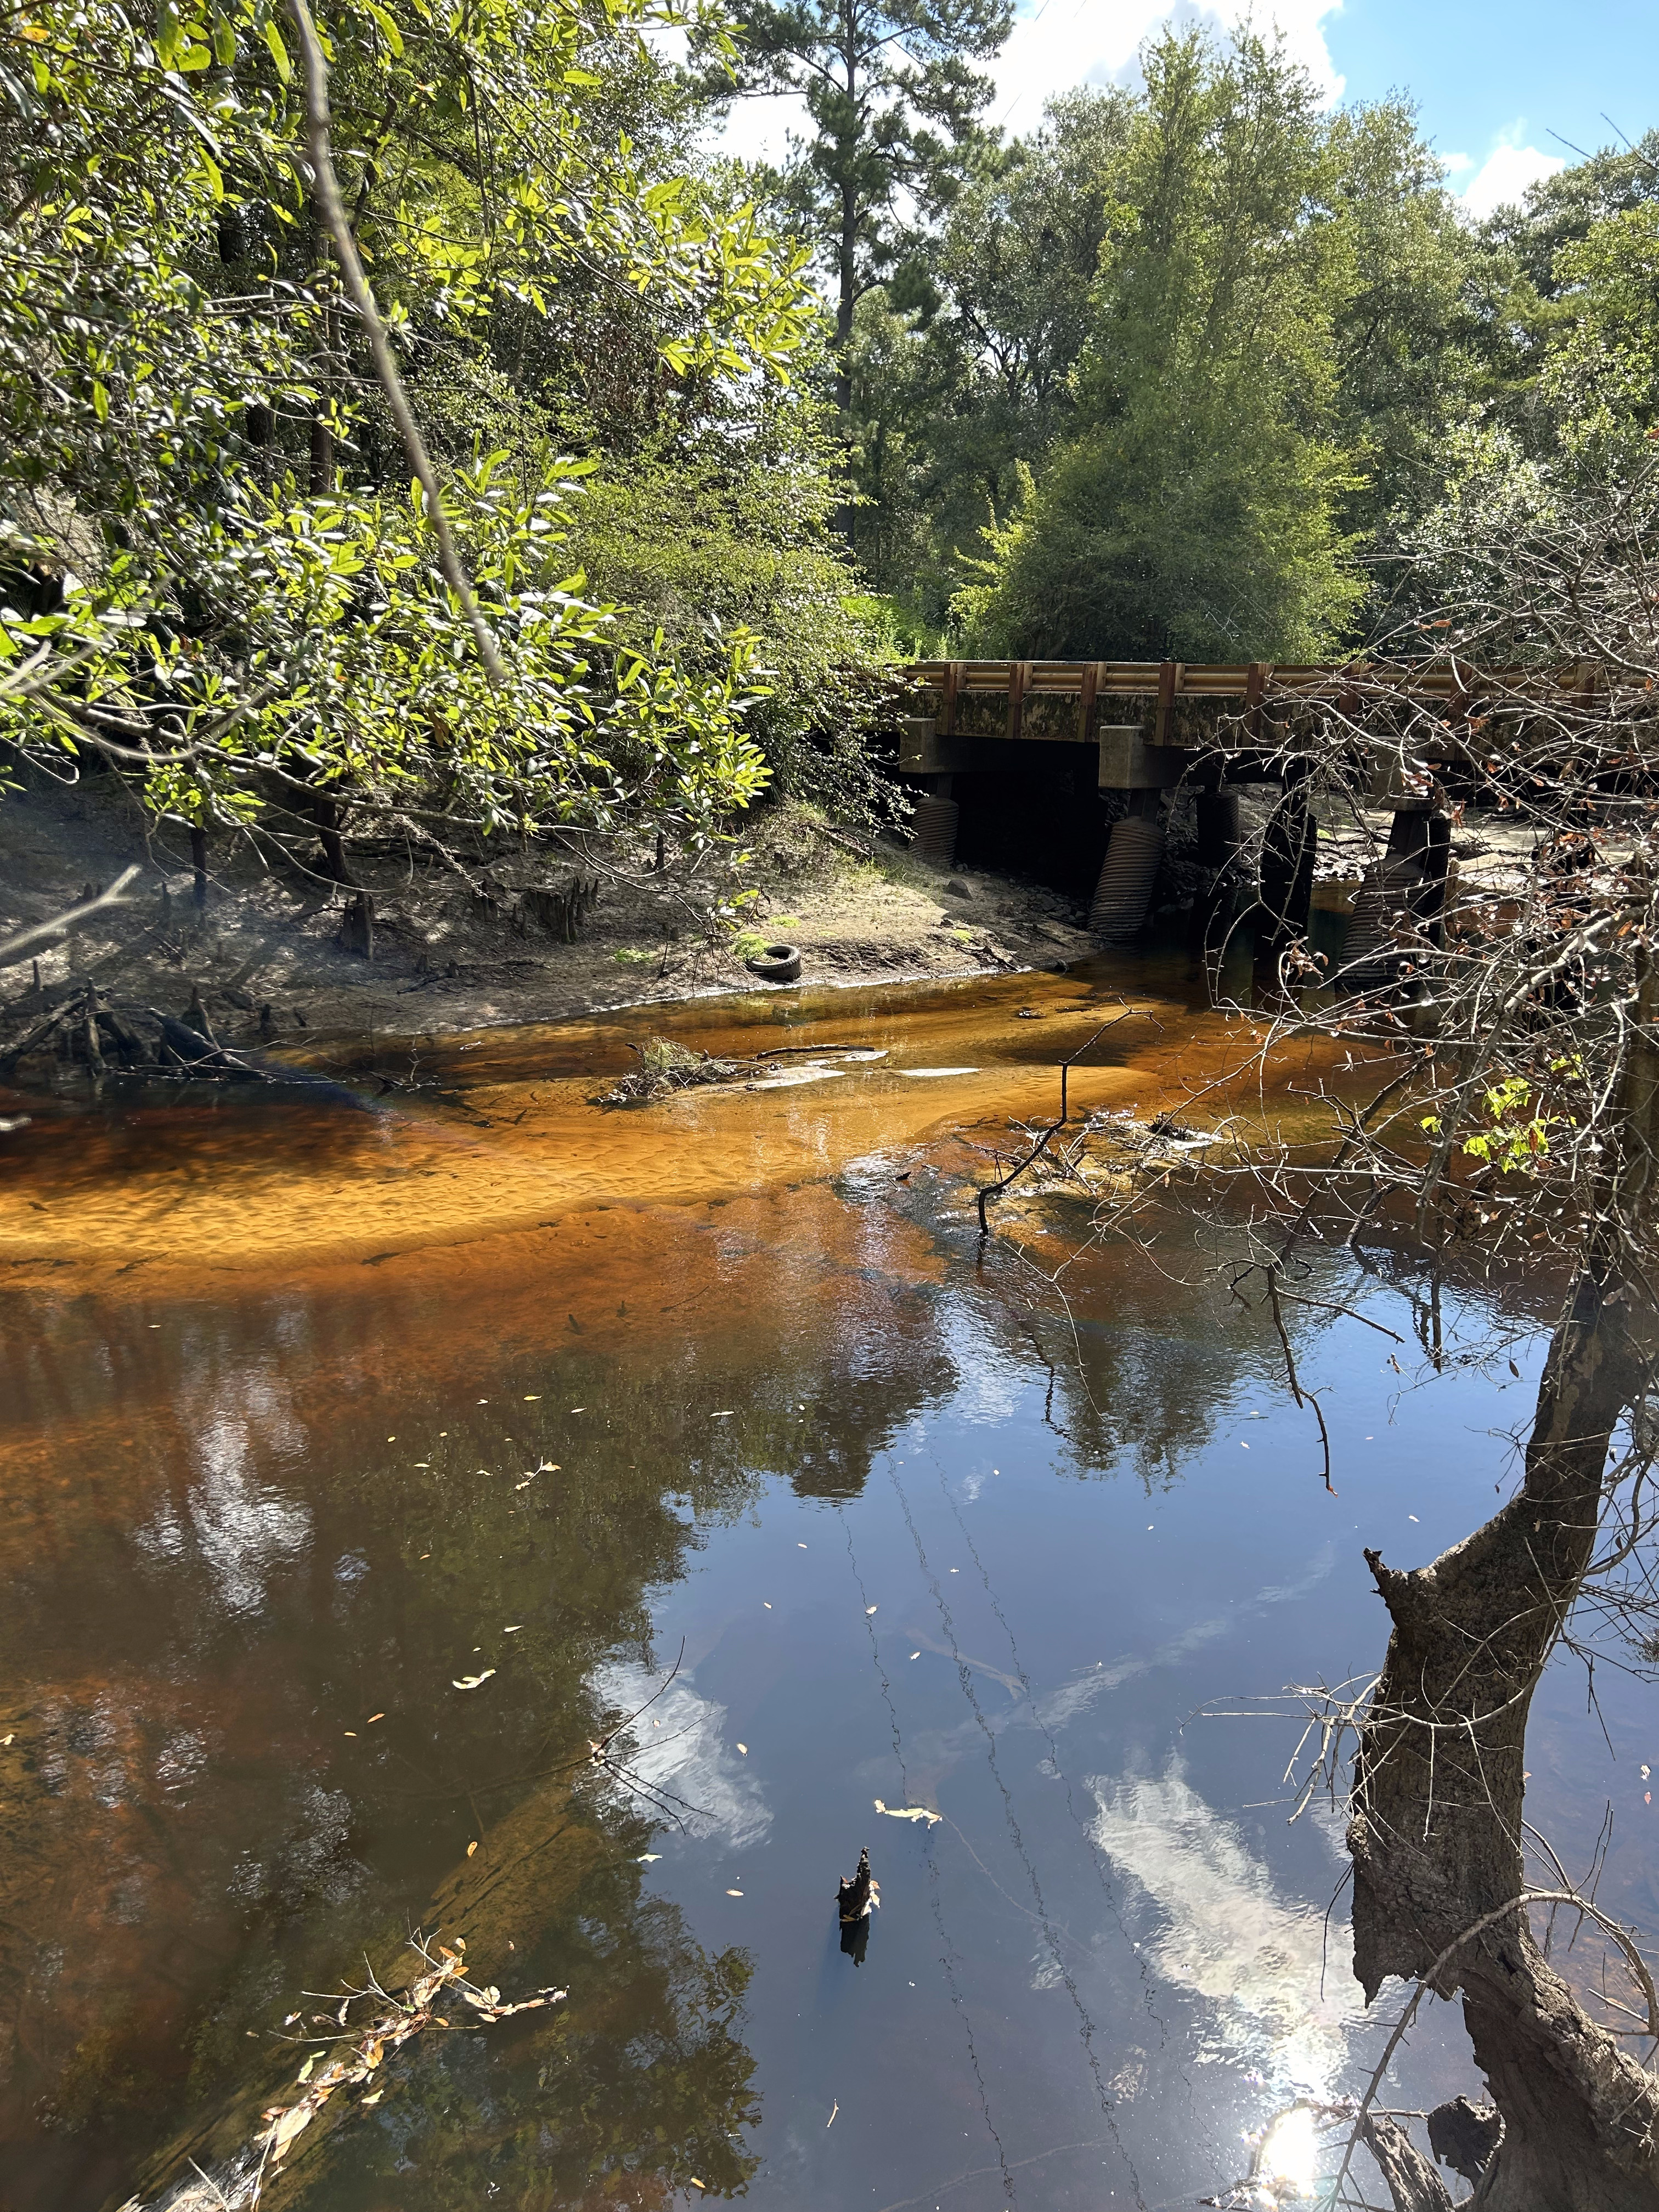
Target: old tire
x: 778, y: 964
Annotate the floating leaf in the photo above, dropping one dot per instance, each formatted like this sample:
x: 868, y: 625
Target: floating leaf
x: 734, y: 1892
x: 909, y: 1812
x: 743, y: 1748
x: 471, y: 1681
x: 289, y: 2125
x: 649, y: 1858
x: 470, y: 1849
x: 868, y: 1610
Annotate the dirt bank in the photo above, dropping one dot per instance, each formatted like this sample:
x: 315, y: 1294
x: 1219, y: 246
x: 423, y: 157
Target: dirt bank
x: 462, y: 947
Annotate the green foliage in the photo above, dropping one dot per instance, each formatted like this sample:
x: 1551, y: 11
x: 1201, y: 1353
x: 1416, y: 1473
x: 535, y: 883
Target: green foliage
x: 1188, y: 348
x: 890, y: 96
x: 716, y: 544
x: 1195, y: 513
x: 1517, y: 1142
x: 959, y: 377
x: 252, y: 605
x: 1600, y: 372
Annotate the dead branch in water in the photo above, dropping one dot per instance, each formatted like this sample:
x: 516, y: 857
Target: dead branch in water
x: 394, y: 2018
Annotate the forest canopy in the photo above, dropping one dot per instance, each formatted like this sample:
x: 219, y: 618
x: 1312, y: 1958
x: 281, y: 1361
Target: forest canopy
x: 1197, y: 369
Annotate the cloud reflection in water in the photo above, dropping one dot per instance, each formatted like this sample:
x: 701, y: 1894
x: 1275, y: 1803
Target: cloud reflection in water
x: 1281, y: 1983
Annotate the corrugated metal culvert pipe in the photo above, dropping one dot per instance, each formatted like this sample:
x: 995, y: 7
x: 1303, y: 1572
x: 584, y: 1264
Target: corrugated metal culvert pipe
x: 1126, y: 877
x: 934, y: 821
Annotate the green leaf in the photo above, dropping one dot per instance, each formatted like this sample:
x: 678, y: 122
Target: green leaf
x: 224, y: 41
x: 278, y: 51
x: 169, y: 34
x: 392, y: 35
x: 99, y: 401
x: 214, y: 176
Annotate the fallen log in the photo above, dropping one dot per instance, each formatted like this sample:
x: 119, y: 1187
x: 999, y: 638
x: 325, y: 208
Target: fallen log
x: 252, y: 2149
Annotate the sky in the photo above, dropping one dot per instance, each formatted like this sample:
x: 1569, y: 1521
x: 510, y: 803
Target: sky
x: 1500, y: 84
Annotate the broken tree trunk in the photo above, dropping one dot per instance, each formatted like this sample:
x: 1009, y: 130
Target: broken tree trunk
x: 1436, y: 1829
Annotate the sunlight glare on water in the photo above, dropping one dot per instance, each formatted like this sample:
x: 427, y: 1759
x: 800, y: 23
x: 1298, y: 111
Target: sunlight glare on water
x: 364, y: 1474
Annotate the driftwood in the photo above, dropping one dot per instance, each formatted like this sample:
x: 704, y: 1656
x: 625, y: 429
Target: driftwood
x: 198, y: 1056
x: 252, y: 2148
x: 856, y: 1899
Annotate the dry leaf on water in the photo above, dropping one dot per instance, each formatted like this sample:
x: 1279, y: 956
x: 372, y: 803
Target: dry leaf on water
x: 471, y: 1681
x: 297, y: 2118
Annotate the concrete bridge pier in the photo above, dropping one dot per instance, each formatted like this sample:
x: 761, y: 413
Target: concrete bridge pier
x: 1289, y: 851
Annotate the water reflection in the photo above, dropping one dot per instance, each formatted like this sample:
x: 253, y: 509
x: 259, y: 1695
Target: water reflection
x: 927, y: 1541
x: 1277, y: 1979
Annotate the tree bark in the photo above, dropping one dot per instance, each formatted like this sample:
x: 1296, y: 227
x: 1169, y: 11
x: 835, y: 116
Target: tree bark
x: 327, y: 813
x: 1436, y: 1831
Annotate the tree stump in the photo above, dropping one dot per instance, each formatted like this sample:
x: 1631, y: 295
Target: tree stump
x: 357, y: 926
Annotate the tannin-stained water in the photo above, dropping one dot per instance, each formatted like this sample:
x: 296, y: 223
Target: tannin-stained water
x: 314, y: 1413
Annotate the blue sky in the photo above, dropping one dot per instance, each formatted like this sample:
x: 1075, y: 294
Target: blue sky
x: 1488, y: 77
x: 1492, y: 81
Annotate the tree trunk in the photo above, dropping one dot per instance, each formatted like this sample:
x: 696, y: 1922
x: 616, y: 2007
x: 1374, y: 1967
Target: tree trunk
x: 1436, y: 1832
x: 846, y: 272
x: 327, y: 813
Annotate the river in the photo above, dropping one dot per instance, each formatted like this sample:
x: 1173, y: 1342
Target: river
x: 361, y: 1468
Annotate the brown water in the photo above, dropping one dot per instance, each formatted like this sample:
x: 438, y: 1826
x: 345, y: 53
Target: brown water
x: 310, y: 1413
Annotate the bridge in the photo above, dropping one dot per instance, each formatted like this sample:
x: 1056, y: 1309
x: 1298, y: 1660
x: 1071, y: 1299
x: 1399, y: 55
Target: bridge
x: 1128, y: 732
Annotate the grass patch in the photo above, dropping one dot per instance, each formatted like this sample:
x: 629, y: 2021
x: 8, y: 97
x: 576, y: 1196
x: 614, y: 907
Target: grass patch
x: 664, y: 1068
x: 630, y: 957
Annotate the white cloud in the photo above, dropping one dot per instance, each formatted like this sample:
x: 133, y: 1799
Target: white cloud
x: 683, y: 1755
x: 1057, y: 45
x: 1277, y: 1980
x: 1505, y: 173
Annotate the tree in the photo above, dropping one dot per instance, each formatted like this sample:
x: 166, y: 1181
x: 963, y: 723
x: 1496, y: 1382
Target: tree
x: 962, y: 366
x: 881, y: 81
x: 216, y: 579
x: 1195, y: 513
x: 1515, y: 1112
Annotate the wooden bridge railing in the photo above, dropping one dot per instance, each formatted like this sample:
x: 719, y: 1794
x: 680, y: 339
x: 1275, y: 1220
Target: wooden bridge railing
x: 1089, y: 682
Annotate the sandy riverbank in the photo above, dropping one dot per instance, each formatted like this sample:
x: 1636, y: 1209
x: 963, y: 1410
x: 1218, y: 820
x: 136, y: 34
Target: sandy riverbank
x: 454, y: 950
